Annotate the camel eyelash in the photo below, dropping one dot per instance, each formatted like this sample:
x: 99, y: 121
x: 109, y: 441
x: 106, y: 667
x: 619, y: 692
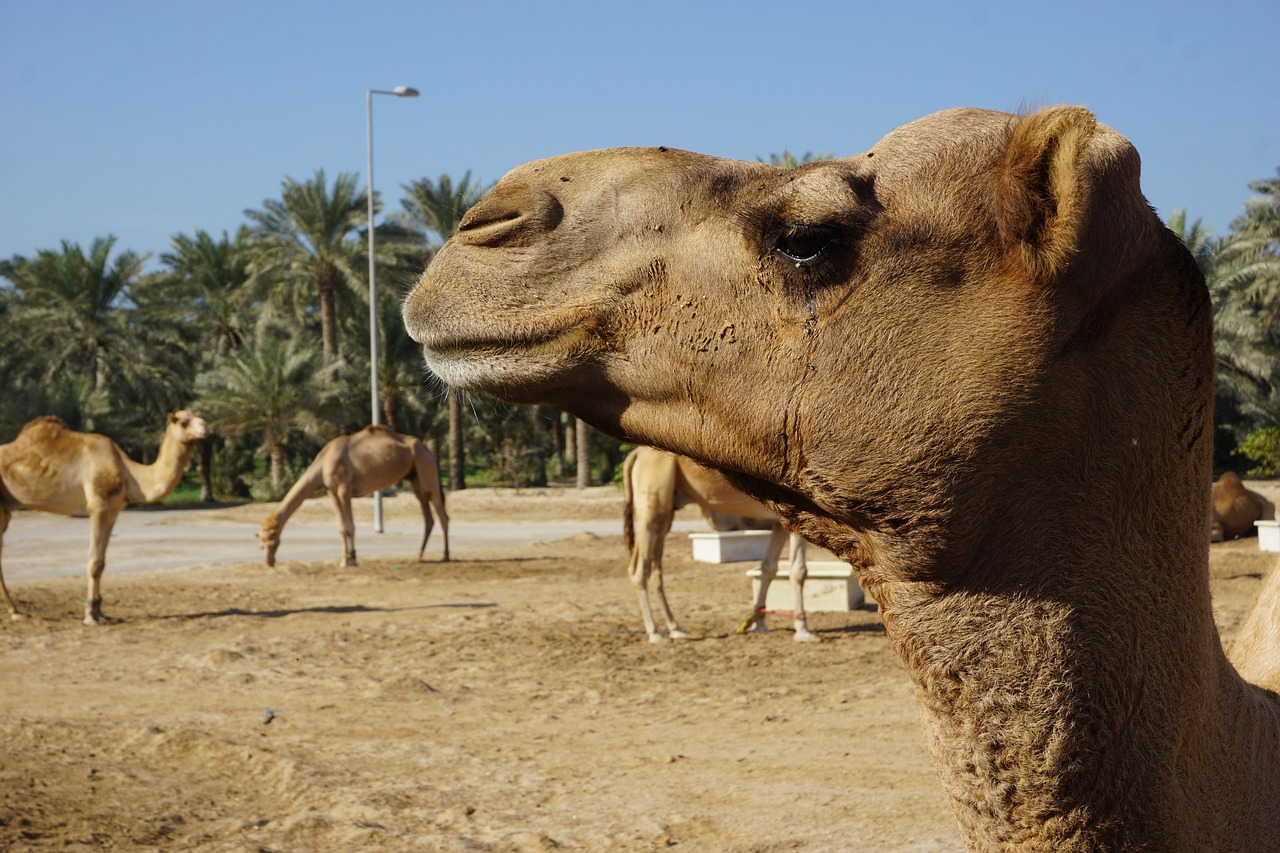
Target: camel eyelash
x: 802, y: 245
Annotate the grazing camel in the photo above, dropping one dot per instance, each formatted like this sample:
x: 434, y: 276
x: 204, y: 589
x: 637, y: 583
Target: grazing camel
x: 55, y: 469
x: 1235, y: 508
x: 972, y: 362
x: 359, y: 464
x: 654, y: 485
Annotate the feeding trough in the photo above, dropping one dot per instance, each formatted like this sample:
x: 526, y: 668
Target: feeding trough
x: 1268, y: 535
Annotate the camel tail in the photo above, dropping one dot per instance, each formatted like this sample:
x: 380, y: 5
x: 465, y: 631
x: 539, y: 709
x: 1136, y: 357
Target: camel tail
x: 628, y: 503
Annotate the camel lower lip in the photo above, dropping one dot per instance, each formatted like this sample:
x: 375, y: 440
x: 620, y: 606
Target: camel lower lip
x: 492, y: 366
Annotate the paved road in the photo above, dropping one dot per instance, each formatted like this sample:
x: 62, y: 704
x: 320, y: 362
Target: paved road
x: 39, y: 546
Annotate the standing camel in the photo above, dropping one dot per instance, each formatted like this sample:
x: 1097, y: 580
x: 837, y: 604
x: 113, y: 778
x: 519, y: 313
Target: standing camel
x: 654, y: 485
x: 51, y: 468
x: 972, y: 362
x: 356, y: 465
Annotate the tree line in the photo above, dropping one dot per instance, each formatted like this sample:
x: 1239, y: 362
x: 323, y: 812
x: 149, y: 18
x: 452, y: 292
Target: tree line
x: 265, y: 331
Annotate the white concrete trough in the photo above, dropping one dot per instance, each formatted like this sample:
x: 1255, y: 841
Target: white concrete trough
x: 1268, y: 535
x: 830, y: 587
x: 730, y: 547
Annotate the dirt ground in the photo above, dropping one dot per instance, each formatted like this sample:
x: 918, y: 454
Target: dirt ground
x: 506, y: 701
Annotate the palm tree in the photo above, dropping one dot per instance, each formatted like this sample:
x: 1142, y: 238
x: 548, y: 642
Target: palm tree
x: 272, y: 388
x: 212, y: 283
x: 308, y: 240
x: 1245, y: 288
x: 1249, y: 268
x: 80, y: 320
x: 208, y: 290
x: 787, y: 160
x: 1243, y: 274
x: 437, y: 207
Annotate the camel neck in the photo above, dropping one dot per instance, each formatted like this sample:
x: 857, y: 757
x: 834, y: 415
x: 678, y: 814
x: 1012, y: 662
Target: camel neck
x: 1046, y: 707
x: 150, y: 483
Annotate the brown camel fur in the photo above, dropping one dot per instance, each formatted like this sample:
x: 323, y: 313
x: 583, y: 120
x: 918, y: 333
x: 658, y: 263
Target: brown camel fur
x: 359, y: 464
x: 55, y: 469
x: 1235, y: 508
x: 972, y: 362
x: 654, y: 485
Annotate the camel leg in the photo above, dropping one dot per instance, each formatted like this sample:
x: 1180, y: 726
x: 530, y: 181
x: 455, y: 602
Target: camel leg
x: 799, y: 571
x: 427, y: 523
x: 646, y: 560
x: 101, y: 521
x: 638, y: 569
x: 435, y: 493
x: 5, y: 515
x: 673, y: 630
x: 426, y: 483
x: 341, y: 495
x: 768, y: 570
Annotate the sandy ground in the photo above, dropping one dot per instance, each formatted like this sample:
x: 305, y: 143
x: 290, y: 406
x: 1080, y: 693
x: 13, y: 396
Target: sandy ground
x: 506, y: 701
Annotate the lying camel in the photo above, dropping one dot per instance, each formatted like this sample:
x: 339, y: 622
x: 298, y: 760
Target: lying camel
x: 973, y: 363
x: 359, y: 464
x: 1234, y: 508
x: 654, y: 485
x: 55, y: 469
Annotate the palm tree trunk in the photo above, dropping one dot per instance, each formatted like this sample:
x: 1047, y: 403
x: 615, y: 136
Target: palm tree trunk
x: 457, y: 455
x: 390, y: 406
x: 276, y: 451
x: 325, y: 291
x: 584, y: 454
x: 570, y: 454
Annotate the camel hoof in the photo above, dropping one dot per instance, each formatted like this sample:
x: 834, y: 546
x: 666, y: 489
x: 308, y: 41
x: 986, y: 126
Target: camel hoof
x: 657, y: 639
x: 806, y: 637
x: 760, y: 627
x: 94, y: 621
x: 17, y: 617
x: 677, y: 634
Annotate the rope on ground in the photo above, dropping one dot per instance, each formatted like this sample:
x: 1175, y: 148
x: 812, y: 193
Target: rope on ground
x: 757, y: 615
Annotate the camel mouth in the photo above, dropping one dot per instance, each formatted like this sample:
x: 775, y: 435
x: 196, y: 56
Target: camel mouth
x: 494, y: 366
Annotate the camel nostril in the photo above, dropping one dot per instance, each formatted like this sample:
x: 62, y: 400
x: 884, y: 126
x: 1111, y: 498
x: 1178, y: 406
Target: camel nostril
x: 514, y: 214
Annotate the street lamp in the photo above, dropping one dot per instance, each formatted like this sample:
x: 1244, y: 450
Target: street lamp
x: 399, y: 92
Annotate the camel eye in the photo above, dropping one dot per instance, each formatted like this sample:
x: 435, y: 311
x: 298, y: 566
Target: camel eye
x: 802, y: 244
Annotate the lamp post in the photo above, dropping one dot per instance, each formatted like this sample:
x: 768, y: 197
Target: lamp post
x: 399, y: 92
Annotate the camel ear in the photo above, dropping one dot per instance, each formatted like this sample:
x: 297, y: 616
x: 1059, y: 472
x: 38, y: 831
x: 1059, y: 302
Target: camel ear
x: 1043, y: 188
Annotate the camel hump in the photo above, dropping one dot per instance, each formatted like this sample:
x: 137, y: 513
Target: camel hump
x: 45, y: 425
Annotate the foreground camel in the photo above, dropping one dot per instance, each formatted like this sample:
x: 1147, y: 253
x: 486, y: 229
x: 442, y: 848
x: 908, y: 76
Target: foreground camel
x: 55, y: 469
x: 1234, y: 508
x: 654, y: 485
x: 352, y: 466
x: 972, y: 362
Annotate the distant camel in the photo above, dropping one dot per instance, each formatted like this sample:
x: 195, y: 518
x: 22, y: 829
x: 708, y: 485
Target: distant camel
x: 654, y: 485
x: 359, y: 464
x: 1236, y: 508
x: 55, y: 469
x: 972, y: 362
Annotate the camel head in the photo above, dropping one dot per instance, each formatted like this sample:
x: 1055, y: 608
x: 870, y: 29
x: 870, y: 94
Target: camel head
x: 269, y: 538
x: 981, y: 305
x: 189, y: 427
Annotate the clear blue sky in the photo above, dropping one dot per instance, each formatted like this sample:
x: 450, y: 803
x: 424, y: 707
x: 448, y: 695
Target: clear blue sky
x: 147, y: 119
